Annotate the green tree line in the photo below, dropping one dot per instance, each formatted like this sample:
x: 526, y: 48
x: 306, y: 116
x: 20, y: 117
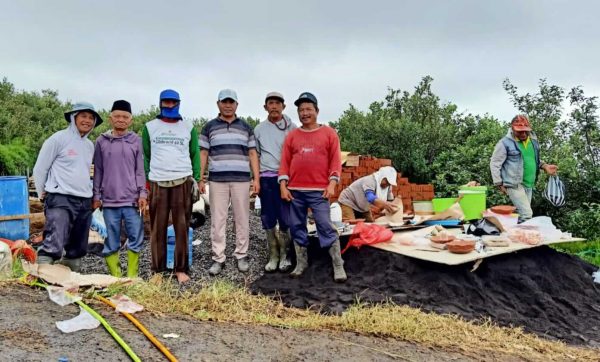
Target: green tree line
x: 428, y: 140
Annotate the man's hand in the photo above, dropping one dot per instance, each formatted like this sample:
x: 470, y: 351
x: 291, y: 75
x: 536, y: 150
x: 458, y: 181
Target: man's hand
x: 43, y: 197
x: 202, y: 186
x: 385, y: 205
x: 96, y: 204
x: 285, y: 192
x: 502, y: 189
x: 330, y: 190
x: 142, y: 204
x: 550, y: 169
x: 255, y: 187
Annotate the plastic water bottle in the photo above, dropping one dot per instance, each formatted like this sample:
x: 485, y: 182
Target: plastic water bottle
x: 171, y: 246
x: 257, y: 205
x: 63, y: 359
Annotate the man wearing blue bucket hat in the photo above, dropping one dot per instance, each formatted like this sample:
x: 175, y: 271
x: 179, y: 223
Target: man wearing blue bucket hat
x: 62, y: 180
x: 172, y: 164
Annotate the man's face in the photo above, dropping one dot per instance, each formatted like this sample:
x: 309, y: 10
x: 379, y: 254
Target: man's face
x: 84, y: 121
x: 307, y: 113
x: 384, y: 183
x: 521, y: 135
x: 227, y: 107
x: 168, y: 103
x: 120, y: 120
x: 275, y: 108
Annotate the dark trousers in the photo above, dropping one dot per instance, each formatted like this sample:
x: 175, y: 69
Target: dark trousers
x: 320, y: 208
x: 68, y: 220
x: 177, y: 201
x: 273, y: 209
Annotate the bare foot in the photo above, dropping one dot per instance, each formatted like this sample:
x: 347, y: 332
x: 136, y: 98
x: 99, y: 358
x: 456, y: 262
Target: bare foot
x: 182, y: 277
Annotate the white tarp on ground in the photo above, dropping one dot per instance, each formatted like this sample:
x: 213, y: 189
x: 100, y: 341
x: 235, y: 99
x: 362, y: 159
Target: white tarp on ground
x: 445, y: 257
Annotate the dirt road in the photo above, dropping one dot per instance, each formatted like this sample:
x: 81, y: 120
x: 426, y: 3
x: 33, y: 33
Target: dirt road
x: 28, y: 333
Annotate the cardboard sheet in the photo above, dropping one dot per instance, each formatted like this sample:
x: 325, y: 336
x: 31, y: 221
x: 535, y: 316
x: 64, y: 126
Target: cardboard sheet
x: 445, y: 257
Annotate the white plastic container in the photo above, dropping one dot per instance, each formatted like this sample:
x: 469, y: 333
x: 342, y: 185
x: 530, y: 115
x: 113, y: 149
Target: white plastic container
x: 335, y: 211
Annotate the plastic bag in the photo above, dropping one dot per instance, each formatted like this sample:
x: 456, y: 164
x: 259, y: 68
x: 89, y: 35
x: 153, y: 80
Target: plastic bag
x: 596, y: 276
x: 83, y: 321
x: 5, y: 261
x: 555, y: 191
x: 482, y: 227
x: 98, y: 223
x: 545, y: 227
x: 368, y: 234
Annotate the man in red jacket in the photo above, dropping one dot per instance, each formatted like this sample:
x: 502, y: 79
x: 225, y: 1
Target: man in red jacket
x: 310, y: 169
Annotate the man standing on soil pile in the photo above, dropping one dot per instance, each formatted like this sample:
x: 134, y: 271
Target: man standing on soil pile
x: 515, y: 165
x: 120, y: 188
x: 310, y: 169
x: 270, y: 135
x: 228, y: 147
x: 172, y: 164
x: 62, y: 181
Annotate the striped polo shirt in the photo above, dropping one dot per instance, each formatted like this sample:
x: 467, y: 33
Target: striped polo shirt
x: 228, y: 145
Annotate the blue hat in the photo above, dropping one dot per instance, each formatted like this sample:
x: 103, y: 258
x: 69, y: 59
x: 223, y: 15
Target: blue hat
x: 306, y: 97
x: 84, y: 106
x: 172, y: 112
x: 227, y: 94
x: 169, y: 94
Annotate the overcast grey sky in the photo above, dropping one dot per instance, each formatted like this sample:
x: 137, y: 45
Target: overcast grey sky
x: 343, y: 51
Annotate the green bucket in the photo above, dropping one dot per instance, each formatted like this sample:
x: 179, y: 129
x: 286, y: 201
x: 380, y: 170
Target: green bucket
x: 442, y: 204
x: 473, y: 201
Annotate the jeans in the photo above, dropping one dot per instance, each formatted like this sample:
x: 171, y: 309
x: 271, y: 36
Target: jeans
x: 273, y: 209
x: 320, y: 208
x: 521, y: 199
x: 134, y: 228
x: 68, y: 220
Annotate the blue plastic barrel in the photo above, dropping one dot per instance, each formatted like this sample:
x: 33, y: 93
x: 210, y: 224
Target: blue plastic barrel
x: 14, y: 201
x: 171, y: 247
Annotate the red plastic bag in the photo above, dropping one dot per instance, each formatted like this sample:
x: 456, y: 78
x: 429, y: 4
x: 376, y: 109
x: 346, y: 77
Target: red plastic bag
x: 368, y: 234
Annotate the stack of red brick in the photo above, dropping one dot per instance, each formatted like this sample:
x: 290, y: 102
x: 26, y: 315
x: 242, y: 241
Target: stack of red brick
x: 359, y: 166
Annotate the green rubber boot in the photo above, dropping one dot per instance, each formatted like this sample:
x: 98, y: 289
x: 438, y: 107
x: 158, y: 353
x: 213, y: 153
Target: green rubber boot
x: 73, y: 264
x: 133, y: 262
x: 273, y: 250
x: 114, y: 267
x: 301, y: 261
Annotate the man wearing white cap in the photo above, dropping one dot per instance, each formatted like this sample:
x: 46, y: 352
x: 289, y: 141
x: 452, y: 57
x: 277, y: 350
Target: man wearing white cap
x: 270, y: 135
x: 228, y: 146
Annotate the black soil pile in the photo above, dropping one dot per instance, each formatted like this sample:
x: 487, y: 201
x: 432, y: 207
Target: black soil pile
x: 546, y: 292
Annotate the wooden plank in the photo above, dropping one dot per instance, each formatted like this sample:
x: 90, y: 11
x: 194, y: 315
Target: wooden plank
x: 448, y: 258
x: 16, y: 217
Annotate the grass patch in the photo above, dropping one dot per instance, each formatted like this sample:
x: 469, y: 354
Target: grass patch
x: 223, y: 302
x: 586, y: 250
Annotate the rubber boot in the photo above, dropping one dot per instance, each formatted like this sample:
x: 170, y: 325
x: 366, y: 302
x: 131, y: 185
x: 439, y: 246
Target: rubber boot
x: 301, y: 261
x: 284, y: 250
x: 133, y: 262
x: 113, y: 264
x: 339, y: 274
x: 73, y: 264
x: 45, y: 259
x: 273, y: 250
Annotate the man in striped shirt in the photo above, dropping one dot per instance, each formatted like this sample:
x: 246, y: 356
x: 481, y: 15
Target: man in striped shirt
x: 228, y: 146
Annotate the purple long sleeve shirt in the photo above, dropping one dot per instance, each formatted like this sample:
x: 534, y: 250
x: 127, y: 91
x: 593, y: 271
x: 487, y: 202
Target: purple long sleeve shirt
x: 119, y: 178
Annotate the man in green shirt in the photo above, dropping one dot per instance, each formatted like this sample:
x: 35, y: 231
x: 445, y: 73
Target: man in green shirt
x: 515, y: 165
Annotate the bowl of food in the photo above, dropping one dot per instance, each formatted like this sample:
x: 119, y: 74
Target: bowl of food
x: 503, y: 209
x: 442, y: 238
x: 461, y: 246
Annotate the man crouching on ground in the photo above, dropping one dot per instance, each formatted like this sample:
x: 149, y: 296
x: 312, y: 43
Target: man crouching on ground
x: 120, y: 188
x: 62, y: 180
x: 310, y: 169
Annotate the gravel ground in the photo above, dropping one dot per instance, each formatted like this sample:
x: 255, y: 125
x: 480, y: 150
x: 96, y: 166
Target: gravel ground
x: 257, y: 253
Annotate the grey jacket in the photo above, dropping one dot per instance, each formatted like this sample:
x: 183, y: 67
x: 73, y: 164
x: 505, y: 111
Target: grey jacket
x: 63, y: 164
x: 506, y: 163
